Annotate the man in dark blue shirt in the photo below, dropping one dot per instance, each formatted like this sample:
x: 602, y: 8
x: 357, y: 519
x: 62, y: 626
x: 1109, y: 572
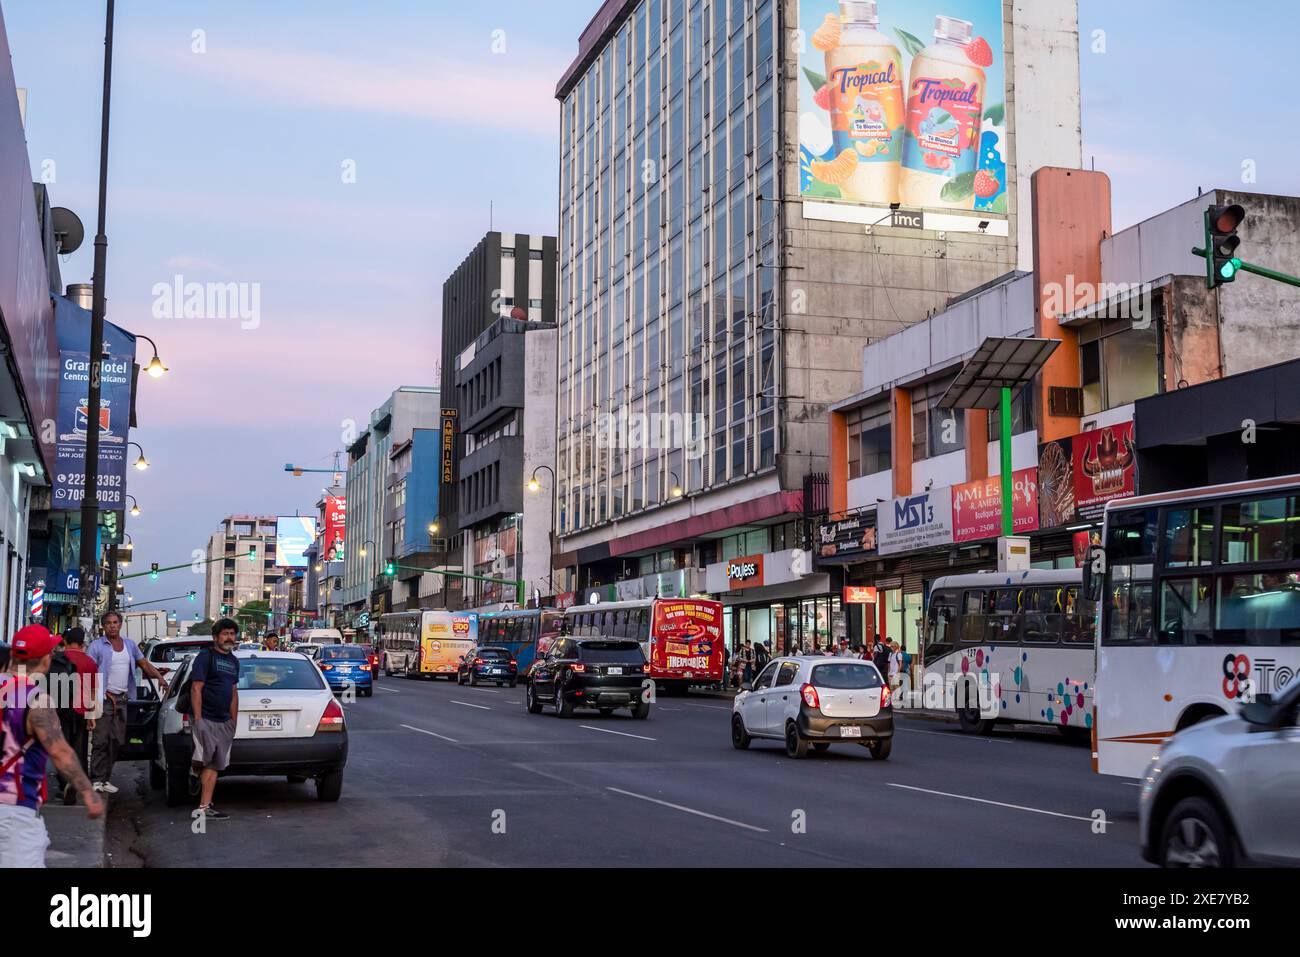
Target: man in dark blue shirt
x: 214, y: 705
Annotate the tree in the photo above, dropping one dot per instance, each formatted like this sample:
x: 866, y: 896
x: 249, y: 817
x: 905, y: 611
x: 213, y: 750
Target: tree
x: 254, y: 615
x: 203, y: 627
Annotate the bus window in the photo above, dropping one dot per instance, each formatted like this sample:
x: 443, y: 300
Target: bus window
x: 1261, y: 609
x: 1263, y: 530
x: 1189, y: 536
x: 1130, y: 597
x: 941, y: 624
x: 1185, y: 608
x: 1042, y: 622
x: 1004, y: 616
x: 1132, y: 534
x: 972, y: 617
x: 1079, y: 618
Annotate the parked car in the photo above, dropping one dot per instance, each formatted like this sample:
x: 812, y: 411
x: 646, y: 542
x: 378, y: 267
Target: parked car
x: 347, y: 666
x: 289, y: 723
x: 1226, y: 792
x: 488, y: 664
x: 373, y: 657
x: 310, y: 650
x: 817, y: 702
x: 600, y: 673
x: 167, y: 655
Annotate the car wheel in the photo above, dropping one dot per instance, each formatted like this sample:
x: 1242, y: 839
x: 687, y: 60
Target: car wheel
x: 513, y: 683
x: 176, y: 785
x: 972, y: 723
x: 795, y: 746
x: 296, y: 778
x: 563, y: 708
x: 329, y: 786
x: 473, y: 679
x: 641, y: 710
x: 530, y: 700
x: 605, y: 712
x: 157, y: 776
x: 880, y: 749
x: 388, y: 668
x: 821, y: 746
x: 1195, y: 834
x: 739, y: 736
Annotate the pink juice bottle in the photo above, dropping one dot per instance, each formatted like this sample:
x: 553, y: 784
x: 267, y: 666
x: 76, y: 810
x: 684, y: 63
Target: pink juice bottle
x: 865, y: 75
x: 945, y: 108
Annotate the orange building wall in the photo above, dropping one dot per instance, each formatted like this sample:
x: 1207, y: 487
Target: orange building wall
x: 977, y: 444
x: 1071, y: 215
x: 839, y: 451
x: 901, y: 412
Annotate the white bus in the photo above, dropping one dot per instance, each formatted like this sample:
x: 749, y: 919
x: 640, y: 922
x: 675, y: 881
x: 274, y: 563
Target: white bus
x: 1200, y: 611
x: 418, y: 643
x: 1015, y: 647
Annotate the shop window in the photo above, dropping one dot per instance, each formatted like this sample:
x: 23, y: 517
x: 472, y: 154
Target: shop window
x: 1022, y: 415
x: 935, y: 431
x: 870, y: 441
x: 1118, y: 366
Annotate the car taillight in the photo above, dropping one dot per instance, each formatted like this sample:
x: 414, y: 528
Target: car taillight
x: 579, y: 667
x: 809, y: 695
x: 513, y: 663
x: 326, y: 667
x: 478, y: 661
x: 332, y: 718
x: 885, y: 696
x: 366, y: 666
x: 646, y: 668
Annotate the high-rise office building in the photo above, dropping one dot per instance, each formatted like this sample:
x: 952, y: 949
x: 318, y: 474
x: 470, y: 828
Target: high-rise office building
x: 242, y: 564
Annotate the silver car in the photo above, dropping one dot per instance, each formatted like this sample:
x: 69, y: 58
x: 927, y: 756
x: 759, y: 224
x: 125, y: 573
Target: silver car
x: 1226, y: 792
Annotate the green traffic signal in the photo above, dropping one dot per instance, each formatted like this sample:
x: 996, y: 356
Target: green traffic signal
x: 1221, y: 241
x: 390, y: 569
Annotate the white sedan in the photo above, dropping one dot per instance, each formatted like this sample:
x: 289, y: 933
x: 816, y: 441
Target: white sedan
x: 289, y: 724
x: 168, y: 654
x: 815, y: 701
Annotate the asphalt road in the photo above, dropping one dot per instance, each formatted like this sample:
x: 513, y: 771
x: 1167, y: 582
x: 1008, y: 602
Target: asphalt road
x: 441, y: 775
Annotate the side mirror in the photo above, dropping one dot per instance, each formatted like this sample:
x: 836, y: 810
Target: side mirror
x: 747, y: 686
x: 1262, y: 715
x: 1094, y: 572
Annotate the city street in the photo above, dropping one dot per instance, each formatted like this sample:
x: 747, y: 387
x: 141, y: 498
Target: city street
x: 434, y: 766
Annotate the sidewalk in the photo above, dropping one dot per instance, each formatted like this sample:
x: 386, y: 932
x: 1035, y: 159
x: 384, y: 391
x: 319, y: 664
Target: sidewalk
x: 75, y: 840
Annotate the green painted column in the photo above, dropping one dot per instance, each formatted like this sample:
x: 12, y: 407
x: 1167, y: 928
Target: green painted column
x: 1008, y: 518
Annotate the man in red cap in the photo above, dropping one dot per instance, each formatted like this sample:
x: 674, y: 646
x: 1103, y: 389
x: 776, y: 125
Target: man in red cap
x: 29, y: 738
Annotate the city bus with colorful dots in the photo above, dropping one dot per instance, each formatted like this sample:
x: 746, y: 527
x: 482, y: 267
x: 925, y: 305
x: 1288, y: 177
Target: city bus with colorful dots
x: 1199, y: 611
x: 1012, y: 647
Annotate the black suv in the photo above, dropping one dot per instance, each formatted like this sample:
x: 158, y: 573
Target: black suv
x: 488, y: 664
x: 601, y: 673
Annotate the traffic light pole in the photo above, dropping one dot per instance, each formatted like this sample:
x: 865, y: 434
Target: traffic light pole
x: 520, y: 585
x: 1257, y: 270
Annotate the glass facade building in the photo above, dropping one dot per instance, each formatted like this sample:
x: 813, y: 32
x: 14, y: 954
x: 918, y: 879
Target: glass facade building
x: 668, y: 355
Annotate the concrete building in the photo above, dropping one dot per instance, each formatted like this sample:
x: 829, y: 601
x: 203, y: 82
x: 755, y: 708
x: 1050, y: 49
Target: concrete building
x: 505, y: 396
x: 1133, y: 400
x: 241, y: 564
x: 713, y: 303
x: 411, y: 520
x: 367, y: 592
x: 505, y: 275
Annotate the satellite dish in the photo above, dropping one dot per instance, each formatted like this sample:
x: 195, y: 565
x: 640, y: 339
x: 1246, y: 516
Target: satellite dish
x: 69, y: 234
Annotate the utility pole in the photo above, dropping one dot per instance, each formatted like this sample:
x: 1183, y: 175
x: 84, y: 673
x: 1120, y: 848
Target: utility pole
x: 89, y: 558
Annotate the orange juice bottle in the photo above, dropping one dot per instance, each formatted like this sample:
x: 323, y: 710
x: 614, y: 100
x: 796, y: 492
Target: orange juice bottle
x: 865, y: 75
x: 945, y: 107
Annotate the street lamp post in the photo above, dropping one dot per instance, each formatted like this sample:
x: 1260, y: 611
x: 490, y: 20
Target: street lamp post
x: 88, y: 559
x: 155, y: 368
x: 534, y: 486
x: 141, y: 463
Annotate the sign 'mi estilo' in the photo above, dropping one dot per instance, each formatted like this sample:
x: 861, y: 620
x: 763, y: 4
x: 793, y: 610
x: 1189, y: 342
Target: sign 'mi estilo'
x: 73, y: 423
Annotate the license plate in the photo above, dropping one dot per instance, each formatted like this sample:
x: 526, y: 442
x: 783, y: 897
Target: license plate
x: 616, y: 671
x: 850, y: 731
x: 266, y: 722
x: 498, y: 671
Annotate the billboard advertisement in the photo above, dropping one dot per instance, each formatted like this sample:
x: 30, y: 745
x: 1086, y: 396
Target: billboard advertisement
x: 336, y: 513
x: 977, y: 507
x: 915, y: 521
x: 72, y: 424
x: 1104, y: 468
x: 293, y: 536
x: 904, y: 101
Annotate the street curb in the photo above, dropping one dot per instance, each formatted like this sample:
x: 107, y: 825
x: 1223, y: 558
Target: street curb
x: 75, y: 840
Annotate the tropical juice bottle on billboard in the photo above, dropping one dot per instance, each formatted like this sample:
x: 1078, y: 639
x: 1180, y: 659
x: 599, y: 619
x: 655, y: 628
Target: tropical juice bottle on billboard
x: 945, y: 105
x: 865, y: 74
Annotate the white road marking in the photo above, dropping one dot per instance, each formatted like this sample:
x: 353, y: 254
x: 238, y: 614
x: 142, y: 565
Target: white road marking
x: 706, y: 707
x: 433, y: 733
x: 641, y: 737
x: 662, y: 708
x: 689, y: 810
x: 1014, y: 807
x: 958, y: 736
x: 389, y: 690
x: 466, y: 704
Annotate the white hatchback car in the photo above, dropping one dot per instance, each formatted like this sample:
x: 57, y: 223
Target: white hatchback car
x: 289, y: 724
x: 168, y: 654
x: 816, y: 701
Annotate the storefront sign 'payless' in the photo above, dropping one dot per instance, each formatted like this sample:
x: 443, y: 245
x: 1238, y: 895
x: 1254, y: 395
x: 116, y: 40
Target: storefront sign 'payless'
x: 745, y: 572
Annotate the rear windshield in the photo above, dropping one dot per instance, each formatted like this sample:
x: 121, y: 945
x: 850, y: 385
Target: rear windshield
x: 278, y: 674
x: 174, y: 653
x: 846, y: 675
x: 346, y: 652
x: 624, y: 651
x: 493, y: 653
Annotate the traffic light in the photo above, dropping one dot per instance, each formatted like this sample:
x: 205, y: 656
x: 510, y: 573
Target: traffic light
x: 252, y: 553
x: 1221, y: 242
x: 190, y: 596
x: 390, y: 569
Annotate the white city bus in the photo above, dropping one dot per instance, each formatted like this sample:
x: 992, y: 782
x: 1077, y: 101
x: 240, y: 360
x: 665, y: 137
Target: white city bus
x: 1200, y: 611
x: 1024, y: 641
